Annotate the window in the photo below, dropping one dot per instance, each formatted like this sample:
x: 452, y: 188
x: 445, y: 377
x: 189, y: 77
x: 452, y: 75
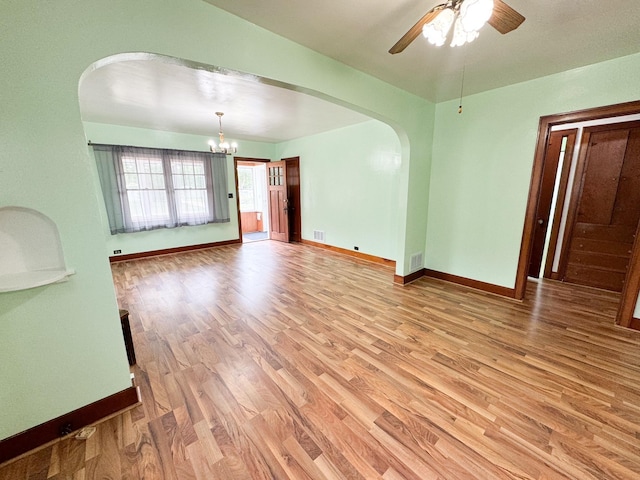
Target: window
x: 190, y: 187
x: 246, y: 189
x: 145, y: 189
x: 148, y: 188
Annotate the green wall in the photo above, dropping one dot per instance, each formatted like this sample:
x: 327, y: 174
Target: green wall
x: 362, y: 162
x: 482, y: 162
x: 350, y: 181
x: 61, y: 345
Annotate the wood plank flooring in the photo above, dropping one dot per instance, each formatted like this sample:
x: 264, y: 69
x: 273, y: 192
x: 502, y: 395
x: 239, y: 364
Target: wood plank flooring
x: 277, y: 361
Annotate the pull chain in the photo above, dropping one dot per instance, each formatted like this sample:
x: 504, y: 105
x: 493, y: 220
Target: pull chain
x: 461, y: 88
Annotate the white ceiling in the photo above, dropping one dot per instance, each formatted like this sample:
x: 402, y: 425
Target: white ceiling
x: 557, y: 35
x: 162, y: 94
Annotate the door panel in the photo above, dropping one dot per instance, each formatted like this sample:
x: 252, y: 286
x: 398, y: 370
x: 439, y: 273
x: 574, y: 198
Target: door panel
x: 278, y: 203
x: 600, y: 186
x: 625, y: 211
x: 599, y: 261
x: 587, y: 244
x: 607, y: 207
x: 591, y: 276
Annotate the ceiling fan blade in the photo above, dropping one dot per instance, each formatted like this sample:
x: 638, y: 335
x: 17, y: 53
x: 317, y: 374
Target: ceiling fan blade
x: 504, y: 18
x: 414, y: 31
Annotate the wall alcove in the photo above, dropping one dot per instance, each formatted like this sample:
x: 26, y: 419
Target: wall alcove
x: 30, y: 250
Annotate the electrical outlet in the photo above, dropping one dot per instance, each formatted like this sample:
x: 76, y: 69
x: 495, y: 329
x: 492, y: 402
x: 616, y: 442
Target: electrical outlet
x: 115, y: 252
x: 356, y: 248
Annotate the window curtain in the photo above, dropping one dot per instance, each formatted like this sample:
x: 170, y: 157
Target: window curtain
x: 106, y: 161
x: 220, y: 207
x: 146, y: 189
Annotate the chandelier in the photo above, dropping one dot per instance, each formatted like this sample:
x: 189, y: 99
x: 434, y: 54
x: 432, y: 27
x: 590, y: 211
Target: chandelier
x: 467, y: 18
x: 223, y: 146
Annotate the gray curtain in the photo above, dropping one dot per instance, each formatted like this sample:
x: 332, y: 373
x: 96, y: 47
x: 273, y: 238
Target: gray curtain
x: 220, y: 205
x: 191, y: 189
x: 106, y: 161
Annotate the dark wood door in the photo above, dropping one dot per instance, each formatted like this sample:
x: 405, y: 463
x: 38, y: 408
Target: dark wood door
x: 278, y: 201
x: 559, y: 146
x: 607, y: 207
x: 293, y: 196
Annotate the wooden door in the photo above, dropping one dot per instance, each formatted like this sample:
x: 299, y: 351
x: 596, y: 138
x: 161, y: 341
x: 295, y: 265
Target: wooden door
x: 606, y: 209
x: 559, y: 147
x: 293, y: 194
x: 278, y: 201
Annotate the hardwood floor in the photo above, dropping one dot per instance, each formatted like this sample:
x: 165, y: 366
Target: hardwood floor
x: 277, y: 361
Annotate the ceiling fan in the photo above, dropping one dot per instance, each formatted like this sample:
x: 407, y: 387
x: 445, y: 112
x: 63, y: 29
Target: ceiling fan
x: 466, y: 16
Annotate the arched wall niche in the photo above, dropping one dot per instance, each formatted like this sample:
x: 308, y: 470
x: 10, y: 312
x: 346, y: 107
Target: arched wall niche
x: 30, y: 250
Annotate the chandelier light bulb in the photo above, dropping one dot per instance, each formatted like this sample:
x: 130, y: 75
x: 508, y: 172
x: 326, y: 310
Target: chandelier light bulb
x: 223, y: 146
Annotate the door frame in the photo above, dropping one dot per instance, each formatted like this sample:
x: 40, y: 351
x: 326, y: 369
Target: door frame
x: 624, y: 318
x: 629, y: 295
x: 235, y: 176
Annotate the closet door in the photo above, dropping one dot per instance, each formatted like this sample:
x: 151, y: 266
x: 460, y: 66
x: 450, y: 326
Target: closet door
x: 606, y: 207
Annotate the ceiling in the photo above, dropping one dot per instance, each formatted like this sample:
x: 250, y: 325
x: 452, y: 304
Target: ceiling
x: 556, y: 36
x: 162, y: 94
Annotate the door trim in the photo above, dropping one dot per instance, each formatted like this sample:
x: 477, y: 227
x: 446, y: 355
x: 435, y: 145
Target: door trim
x: 544, y: 130
x: 624, y: 318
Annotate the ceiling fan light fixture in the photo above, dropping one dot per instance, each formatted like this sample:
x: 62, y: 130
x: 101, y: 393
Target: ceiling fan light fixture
x: 474, y: 14
x: 461, y: 36
x: 436, y: 31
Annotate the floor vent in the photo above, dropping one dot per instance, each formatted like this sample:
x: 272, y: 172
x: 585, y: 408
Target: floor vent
x: 318, y: 235
x: 416, y: 262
